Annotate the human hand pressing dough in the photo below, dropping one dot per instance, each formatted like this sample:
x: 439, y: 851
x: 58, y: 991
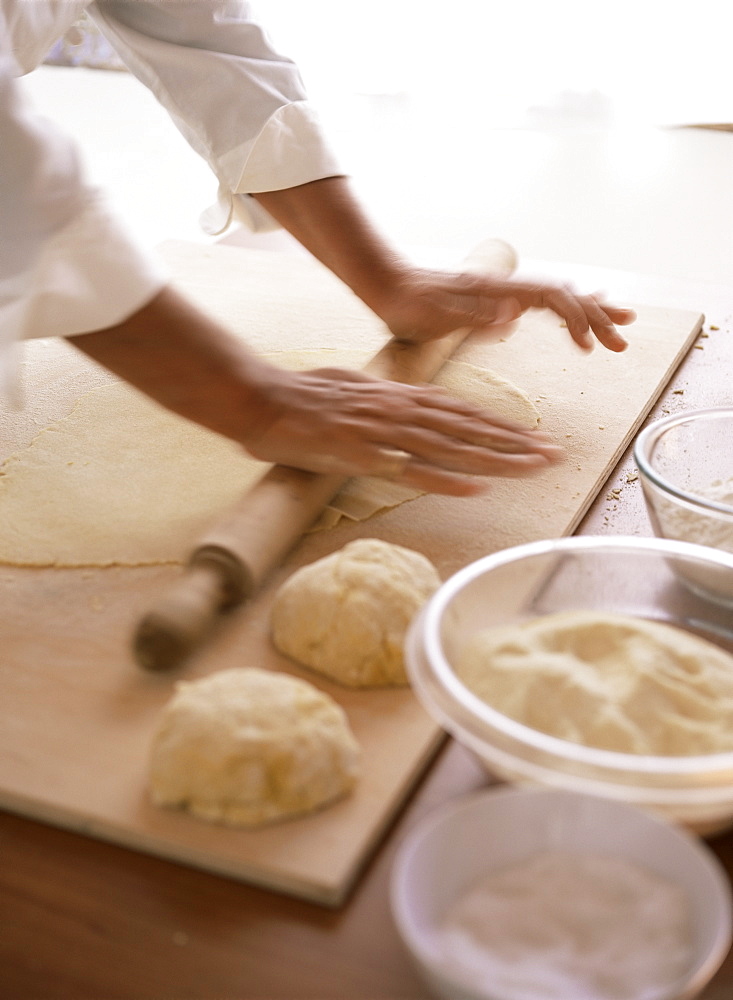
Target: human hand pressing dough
x: 351, y: 424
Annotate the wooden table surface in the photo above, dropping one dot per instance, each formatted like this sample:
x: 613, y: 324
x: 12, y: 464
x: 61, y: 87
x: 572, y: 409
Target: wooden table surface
x: 85, y: 920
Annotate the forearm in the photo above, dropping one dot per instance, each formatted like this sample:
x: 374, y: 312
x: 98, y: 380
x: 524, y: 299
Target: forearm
x: 327, y: 219
x: 186, y: 362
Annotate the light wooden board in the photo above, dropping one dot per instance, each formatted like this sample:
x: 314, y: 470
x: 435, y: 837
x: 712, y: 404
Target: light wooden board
x: 78, y: 714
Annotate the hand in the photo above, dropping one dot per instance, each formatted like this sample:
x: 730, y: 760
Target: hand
x: 416, y: 303
x: 348, y: 423
x: 425, y: 304
x: 331, y: 421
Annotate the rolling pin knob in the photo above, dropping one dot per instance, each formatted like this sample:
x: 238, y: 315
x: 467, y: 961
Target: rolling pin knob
x: 214, y: 581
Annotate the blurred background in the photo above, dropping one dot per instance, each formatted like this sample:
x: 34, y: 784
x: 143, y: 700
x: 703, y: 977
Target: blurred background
x: 580, y: 132
x: 518, y: 63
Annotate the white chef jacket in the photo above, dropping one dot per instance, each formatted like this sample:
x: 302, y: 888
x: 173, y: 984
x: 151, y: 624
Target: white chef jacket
x: 67, y: 264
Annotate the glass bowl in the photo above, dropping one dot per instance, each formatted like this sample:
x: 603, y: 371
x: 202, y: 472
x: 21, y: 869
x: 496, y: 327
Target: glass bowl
x: 685, y: 465
x: 646, y: 578
x: 464, y: 841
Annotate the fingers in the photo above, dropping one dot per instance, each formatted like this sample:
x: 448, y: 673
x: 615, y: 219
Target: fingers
x: 588, y: 317
x: 602, y: 320
x: 620, y: 315
x: 597, y: 319
x: 466, y: 471
x: 456, y: 470
x: 453, y: 439
x: 479, y: 303
x: 392, y: 464
x: 350, y: 424
x: 483, y: 453
x: 432, y: 303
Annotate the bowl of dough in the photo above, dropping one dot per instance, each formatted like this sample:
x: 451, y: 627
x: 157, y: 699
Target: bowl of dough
x: 589, y: 664
x: 515, y: 894
x: 685, y: 464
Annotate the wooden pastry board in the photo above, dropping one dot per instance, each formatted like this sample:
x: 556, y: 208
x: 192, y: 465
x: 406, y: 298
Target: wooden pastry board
x: 78, y: 714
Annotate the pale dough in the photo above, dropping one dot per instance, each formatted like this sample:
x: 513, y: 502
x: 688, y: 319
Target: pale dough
x: 121, y: 481
x: 346, y: 615
x: 610, y: 681
x: 247, y: 746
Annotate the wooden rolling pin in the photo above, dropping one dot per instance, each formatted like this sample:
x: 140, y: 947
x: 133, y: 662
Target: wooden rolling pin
x: 236, y: 556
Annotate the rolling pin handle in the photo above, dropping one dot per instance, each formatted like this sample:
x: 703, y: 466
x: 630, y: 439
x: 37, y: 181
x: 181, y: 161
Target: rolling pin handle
x: 213, y: 582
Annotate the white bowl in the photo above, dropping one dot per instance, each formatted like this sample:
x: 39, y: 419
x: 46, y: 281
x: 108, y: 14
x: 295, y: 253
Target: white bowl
x: 469, y: 838
x: 685, y: 465
x: 630, y: 576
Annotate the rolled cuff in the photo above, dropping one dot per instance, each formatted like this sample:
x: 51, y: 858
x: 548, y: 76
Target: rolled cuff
x: 289, y: 151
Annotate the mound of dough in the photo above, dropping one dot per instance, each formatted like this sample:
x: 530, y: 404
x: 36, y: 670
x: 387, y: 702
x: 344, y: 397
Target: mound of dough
x: 346, y: 615
x: 609, y: 681
x: 248, y: 746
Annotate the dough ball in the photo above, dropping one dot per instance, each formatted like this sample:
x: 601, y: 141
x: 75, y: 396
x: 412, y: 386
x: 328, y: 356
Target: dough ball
x: 615, y: 682
x: 248, y: 746
x: 346, y: 615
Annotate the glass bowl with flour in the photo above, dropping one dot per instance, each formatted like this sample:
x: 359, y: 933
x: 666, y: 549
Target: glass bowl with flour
x: 588, y: 664
x: 685, y: 464
x: 512, y: 894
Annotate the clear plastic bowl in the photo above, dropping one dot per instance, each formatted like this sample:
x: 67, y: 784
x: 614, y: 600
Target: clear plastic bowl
x: 465, y: 840
x: 685, y: 465
x: 631, y: 576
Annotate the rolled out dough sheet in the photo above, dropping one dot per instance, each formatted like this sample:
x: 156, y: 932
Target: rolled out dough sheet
x: 122, y: 481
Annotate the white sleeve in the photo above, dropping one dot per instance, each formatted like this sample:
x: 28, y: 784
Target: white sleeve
x: 67, y: 266
x: 238, y: 103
